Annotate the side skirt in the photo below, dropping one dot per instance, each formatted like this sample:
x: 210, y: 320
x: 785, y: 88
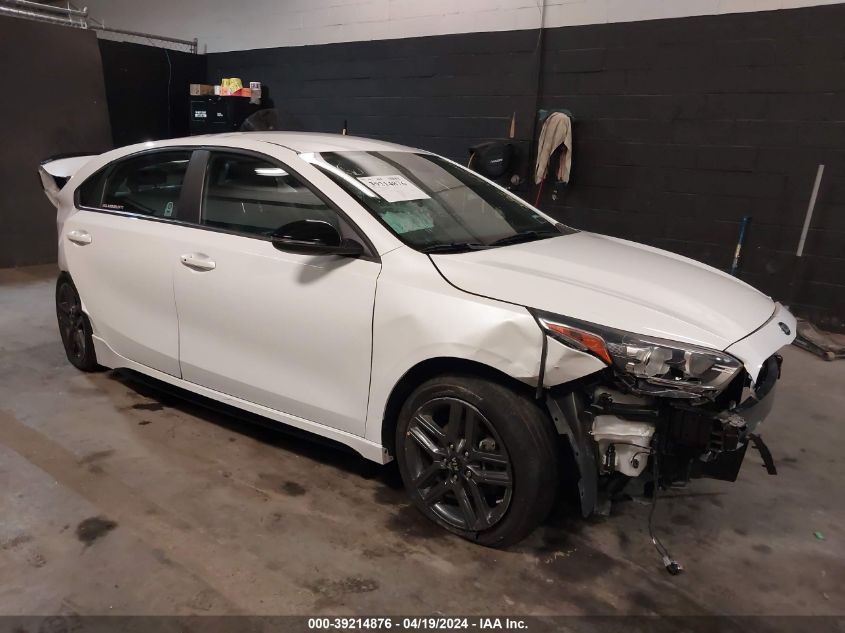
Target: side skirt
x: 107, y: 357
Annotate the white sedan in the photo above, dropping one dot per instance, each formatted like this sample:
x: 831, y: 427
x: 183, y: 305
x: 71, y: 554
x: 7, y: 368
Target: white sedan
x: 394, y: 301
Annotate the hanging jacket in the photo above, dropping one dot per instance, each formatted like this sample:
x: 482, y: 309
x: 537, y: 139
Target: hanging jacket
x: 557, y: 131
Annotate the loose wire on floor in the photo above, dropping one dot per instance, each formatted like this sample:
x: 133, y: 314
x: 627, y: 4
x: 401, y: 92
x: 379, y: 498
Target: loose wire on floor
x: 672, y: 566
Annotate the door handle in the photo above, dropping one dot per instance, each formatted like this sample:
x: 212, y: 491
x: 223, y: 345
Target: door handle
x: 198, y: 261
x: 79, y: 237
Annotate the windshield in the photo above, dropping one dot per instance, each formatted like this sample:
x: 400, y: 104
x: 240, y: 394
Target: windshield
x: 434, y: 205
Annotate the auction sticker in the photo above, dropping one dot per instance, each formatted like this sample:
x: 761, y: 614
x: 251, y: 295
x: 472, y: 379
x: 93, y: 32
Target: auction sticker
x: 394, y: 188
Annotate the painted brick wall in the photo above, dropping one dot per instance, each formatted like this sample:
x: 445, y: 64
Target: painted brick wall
x: 683, y: 125
x: 222, y: 25
x: 443, y: 93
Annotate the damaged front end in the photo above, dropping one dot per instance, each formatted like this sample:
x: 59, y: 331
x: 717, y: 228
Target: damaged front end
x: 693, y: 409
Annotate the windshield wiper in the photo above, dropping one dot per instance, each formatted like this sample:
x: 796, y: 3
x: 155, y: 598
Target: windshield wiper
x: 525, y: 236
x: 453, y: 247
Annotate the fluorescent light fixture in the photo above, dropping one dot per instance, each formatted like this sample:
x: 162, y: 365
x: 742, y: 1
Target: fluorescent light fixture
x: 316, y: 159
x: 270, y: 171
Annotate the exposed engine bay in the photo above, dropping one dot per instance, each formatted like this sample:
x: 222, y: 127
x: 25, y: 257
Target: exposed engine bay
x: 700, y: 437
x: 614, y: 428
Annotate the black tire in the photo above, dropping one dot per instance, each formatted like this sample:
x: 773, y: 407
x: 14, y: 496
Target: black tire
x: 74, y: 326
x: 452, y: 435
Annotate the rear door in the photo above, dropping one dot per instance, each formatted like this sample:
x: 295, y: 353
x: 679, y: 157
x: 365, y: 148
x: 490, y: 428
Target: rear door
x: 288, y: 331
x: 119, y: 248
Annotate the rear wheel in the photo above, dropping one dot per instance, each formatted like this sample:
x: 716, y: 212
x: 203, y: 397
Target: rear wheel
x: 74, y: 326
x: 477, y: 458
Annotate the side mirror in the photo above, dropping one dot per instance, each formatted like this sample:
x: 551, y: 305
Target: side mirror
x: 314, y: 237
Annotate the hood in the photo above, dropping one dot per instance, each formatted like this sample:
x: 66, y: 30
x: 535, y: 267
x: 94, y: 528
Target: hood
x: 615, y: 283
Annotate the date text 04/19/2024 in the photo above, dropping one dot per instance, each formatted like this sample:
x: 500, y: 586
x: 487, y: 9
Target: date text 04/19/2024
x: 417, y: 623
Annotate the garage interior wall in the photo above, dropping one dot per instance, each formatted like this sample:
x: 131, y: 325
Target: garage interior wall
x: 54, y: 104
x: 147, y: 88
x: 221, y: 25
x: 683, y: 126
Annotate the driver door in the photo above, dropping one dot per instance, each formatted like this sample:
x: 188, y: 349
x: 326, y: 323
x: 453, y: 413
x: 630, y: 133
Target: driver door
x: 288, y: 331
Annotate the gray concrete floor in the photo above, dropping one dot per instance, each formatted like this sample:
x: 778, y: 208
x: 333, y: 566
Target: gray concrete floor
x: 117, y: 499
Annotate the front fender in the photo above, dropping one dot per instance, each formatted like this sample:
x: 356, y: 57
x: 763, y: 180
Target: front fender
x: 419, y: 316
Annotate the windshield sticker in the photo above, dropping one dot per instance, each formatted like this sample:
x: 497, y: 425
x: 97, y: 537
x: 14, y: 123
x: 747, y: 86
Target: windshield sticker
x: 394, y: 188
x: 406, y: 221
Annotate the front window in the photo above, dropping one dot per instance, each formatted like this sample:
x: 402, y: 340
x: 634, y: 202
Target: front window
x: 247, y: 194
x: 432, y: 204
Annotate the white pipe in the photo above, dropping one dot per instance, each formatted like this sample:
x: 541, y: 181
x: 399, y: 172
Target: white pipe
x: 6, y: 9
x: 163, y: 38
x: 48, y: 8
x: 75, y: 17
x: 810, y: 208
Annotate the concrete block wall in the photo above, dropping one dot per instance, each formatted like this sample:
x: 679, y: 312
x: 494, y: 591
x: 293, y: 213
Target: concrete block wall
x: 683, y: 125
x: 442, y: 93
x: 222, y: 25
x: 691, y: 113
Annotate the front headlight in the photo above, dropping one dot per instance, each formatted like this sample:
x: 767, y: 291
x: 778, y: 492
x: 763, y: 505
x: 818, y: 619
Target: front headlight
x: 651, y: 365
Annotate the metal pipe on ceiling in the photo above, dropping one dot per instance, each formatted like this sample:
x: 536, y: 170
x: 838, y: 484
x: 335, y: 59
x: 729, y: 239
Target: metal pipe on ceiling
x: 49, y: 8
x: 5, y: 9
x: 163, y: 38
x: 66, y: 16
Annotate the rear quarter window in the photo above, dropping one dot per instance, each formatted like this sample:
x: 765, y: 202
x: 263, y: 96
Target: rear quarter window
x: 90, y: 193
x: 149, y: 184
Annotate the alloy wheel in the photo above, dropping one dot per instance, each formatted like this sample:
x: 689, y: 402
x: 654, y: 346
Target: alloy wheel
x: 71, y: 321
x: 458, y: 464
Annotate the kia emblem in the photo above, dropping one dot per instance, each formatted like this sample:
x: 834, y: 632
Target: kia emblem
x: 785, y: 328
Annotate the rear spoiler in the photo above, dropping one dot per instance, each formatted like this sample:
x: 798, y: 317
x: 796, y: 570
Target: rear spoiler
x: 56, y: 171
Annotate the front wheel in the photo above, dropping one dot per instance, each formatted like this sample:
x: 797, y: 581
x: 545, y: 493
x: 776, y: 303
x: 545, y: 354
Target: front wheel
x: 74, y: 326
x: 477, y: 458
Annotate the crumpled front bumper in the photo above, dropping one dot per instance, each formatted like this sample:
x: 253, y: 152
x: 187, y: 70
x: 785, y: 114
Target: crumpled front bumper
x: 692, y: 441
x: 763, y: 367
x: 755, y: 349
x: 738, y: 425
x: 757, y: 406
x: 734, y: 429
x: 711, y: 442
